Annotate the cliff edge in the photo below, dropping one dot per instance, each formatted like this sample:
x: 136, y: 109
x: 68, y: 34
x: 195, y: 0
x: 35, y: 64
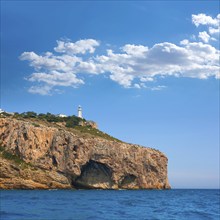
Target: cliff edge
x: 49, y: 156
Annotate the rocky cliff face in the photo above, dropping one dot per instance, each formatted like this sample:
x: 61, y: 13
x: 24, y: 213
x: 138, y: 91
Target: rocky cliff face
x: 53, y: 157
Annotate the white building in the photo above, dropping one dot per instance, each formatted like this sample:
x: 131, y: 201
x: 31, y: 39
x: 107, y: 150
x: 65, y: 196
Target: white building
x: 80, y: 112
x: 62, y: 115
x: 10, y: 113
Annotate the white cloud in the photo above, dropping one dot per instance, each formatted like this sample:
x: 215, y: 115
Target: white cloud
x: 79, y: 47
x: 41, y: 90
x: 134, y: 66
x: 204, y: 36
x: 123, y: 79
x: 203, y: 19
x: 213, y: 31
x: 211, y: 24
x: 157, y: 88
x: 56, y: 79
x: 197, y: 60
x: 137, y: 86
x: 50, y: 62
x: 146, y: 79
x: 135, y: 50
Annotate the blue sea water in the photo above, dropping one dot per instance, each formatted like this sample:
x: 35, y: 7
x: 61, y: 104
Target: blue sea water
x: 109, y: 204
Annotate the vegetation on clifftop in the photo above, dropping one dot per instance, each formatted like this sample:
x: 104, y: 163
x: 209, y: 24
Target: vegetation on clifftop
x: 95, y: 132
x: 70, y: 122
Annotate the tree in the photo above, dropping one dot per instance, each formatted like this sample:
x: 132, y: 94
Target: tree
x: 31, y: 114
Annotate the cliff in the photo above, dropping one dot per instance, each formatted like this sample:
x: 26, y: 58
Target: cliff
x: 42, y: 155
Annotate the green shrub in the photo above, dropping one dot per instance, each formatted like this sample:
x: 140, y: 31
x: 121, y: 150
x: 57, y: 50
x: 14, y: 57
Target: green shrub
x: 16, y: 159
x: 13, y: 157
x: 72, y: 121
x: 2, y: 148
x: 35, y: 124
x: 95, y: 132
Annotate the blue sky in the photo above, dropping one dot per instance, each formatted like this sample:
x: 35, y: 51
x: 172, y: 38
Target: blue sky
x: 147, y: 72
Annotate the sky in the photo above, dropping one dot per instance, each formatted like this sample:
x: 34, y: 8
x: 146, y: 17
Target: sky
x: 146, y: 71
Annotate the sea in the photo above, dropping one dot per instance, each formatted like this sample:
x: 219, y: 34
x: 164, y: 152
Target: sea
x: 177, y: 204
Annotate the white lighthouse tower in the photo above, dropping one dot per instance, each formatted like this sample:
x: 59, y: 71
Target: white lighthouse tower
x: 80, y: 112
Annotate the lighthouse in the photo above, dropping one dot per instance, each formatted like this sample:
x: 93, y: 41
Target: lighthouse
x: 80, y: 112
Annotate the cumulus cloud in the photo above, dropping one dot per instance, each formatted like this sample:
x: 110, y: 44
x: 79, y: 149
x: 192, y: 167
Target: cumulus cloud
x: 214, y: 31
x: 50, y: 62
x: 41, y: 90
x: 56, y: 79
x: 203, y: 19
x: 132, y: 66
x: 79, y: 47
x: 212, y: 25
x: 135, y: 50
x: 191, y: 59
x: 204, y: 36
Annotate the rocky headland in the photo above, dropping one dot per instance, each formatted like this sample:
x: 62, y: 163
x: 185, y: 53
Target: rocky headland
x: 36, y: 154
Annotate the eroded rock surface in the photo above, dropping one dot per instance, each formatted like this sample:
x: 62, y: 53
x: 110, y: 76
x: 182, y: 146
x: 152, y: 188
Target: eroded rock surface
x: 68, y: 159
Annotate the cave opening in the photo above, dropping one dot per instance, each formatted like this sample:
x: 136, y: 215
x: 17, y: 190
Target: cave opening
x: 94, y: 175
x: 128, y: 181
